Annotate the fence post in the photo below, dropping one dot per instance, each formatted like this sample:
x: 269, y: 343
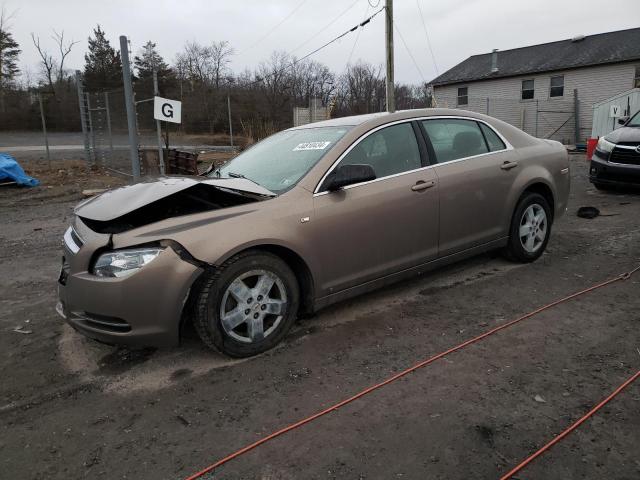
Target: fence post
x: 83, y: 116
x: 108, y: 114
x: 536, y: 118
x: 576, y: 113
x: 487, y: 105
x: 230, y: 125
x: 156, y: 92
x: 92, y: 131
x: 44, y: 130
x: 131, y: 109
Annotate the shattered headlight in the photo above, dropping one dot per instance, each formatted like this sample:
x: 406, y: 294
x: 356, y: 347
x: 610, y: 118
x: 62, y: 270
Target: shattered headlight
x: 124, y: 262
x: 605, y: 145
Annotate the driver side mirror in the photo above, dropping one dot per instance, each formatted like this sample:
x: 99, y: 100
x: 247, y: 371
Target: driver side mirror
x: 623, y: 120
x: 348, y: 175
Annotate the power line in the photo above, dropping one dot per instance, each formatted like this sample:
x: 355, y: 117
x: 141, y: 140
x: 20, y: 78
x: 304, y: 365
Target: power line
x: 335, y: 39
x: 324, y: 28
x: 273, y: 29
x: 409, y: 52
x: 426, y: 33
x: 366, y: 10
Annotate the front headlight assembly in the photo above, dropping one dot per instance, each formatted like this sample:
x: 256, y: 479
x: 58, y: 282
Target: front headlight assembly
x: 605, y: 145
x: 124, y: 262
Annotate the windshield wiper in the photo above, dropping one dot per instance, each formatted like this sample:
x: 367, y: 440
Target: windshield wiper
x: 238, y: 175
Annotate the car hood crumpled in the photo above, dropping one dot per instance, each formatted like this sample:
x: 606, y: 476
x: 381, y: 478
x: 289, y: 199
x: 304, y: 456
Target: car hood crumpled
x: 124, y: 200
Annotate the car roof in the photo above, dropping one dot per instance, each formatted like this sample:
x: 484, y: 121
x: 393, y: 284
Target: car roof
x: 385, y: 117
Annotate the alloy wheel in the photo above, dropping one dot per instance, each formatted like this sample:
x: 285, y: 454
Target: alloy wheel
x: 533, y: 228
x: 253, y: 305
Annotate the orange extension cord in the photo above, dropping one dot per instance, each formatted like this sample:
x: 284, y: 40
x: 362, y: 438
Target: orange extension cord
x: 570, y: 429
x: 401, y: 374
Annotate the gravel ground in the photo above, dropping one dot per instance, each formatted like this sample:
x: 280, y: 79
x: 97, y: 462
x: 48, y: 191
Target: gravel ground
x: 74, y: 408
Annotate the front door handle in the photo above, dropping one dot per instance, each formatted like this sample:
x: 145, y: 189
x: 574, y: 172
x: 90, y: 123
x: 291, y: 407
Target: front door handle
x: 422, y: 185
x: 508, y: 165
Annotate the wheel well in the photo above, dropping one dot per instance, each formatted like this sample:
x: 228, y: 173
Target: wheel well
x: 545, y: 191
x: 297, y: 264
x: 300, y: 270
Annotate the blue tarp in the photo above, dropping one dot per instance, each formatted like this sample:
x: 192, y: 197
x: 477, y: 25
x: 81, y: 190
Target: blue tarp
x: 10, y: 169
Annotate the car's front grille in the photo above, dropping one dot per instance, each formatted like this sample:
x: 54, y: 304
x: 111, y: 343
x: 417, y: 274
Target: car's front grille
x: 72, y: 240
x: 625, y: 154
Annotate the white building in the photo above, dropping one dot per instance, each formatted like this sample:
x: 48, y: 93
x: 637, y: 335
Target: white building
x: 541, y: 87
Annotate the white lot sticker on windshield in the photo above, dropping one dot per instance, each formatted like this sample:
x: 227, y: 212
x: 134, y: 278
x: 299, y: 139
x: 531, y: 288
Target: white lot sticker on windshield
x: 312, y: 146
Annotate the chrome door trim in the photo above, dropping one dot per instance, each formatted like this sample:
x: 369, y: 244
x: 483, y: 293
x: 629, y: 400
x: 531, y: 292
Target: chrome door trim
x: 317, y: 192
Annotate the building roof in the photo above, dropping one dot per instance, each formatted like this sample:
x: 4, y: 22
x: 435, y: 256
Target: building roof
x: 602, y: 48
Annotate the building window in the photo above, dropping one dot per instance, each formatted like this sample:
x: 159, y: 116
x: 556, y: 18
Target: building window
x: 463, y: 96
x: 527, y: 89
x: 636, y: 79
x: 556, y: 88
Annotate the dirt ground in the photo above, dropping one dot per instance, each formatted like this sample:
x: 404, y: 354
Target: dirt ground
x: 74, y: 408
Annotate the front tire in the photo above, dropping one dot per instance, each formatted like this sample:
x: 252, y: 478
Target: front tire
x: 530, y: 228
x: 247, y: 305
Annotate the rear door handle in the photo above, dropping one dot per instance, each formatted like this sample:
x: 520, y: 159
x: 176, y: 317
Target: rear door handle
x: 422, y: 185
x: 508, y: 165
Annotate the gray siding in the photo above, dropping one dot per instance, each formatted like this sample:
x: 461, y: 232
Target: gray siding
x: 593, y: 84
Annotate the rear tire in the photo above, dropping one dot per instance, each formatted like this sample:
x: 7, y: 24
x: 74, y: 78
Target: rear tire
x: 247, y: 305
x: 530, y: 228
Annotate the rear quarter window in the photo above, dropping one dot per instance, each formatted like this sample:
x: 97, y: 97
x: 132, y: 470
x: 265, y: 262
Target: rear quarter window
x: 493, y: 140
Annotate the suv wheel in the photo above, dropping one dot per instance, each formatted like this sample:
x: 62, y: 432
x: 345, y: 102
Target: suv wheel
x: 247, y: 305
x: 530, y: 228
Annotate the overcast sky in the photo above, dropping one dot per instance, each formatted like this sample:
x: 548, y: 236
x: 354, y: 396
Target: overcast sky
x: 457, y: 28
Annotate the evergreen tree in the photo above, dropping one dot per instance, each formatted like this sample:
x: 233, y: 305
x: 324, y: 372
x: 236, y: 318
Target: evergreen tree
x: 148, y: 60
x: 9, y: 51
x: 103, y: 68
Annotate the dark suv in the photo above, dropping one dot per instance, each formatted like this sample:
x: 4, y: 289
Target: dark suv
x: 616, y: 160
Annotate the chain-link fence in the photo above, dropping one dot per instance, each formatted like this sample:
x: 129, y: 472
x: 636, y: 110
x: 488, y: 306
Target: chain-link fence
x: 104, y: 119
x: 546, y: 118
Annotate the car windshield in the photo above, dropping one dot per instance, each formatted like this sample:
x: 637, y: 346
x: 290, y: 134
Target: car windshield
x: 635, y: 121
x: 281, y: 160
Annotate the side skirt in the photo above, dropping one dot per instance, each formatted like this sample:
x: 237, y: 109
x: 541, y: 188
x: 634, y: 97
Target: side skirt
x: 408, y: 273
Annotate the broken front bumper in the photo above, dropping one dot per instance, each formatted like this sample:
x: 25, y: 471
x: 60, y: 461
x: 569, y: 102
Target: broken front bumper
x: 609, y: 173
x: 142, y: 309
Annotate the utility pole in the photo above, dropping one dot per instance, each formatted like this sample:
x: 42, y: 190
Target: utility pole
x: 230, y: 124
x: 131, y: 109
x: 156, y: 92
x: 390, y: 90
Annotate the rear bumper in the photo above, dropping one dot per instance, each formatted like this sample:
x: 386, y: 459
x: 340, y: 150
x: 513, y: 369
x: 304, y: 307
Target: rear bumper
x: 607, y: 173
x: 143, y: 309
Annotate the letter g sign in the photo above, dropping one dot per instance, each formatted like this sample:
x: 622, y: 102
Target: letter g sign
x: 167, y: 110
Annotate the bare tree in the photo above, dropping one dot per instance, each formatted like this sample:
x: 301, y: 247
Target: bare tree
x: 275, y: 82
x: 64, y: 49
x: 220, y: 53
x: 53, y: 69
x: 361, y: 89
x: 207, y: 65
x: 47, y: 63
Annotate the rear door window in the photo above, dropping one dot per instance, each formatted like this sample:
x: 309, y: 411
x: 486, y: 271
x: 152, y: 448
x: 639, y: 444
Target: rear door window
x: 454, y: 138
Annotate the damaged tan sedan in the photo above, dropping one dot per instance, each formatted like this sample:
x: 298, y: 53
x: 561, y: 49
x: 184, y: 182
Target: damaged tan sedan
x: 305, y: 218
